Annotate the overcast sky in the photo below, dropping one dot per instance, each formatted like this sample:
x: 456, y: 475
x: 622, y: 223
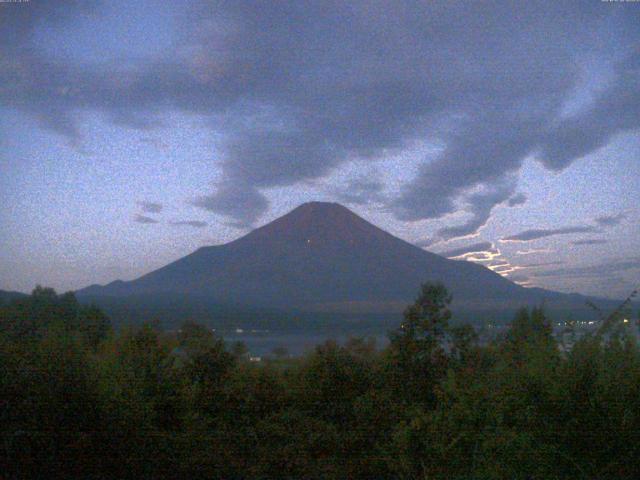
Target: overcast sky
x: 134, y: 132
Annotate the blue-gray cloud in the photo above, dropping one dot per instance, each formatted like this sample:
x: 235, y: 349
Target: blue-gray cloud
x: 361, y: 191
x: 474, y: 248
x: 542, y: 264
x: 426, y: 242
x: 533, y: 251
x: 537, y: 233
x: 590, y: 241
x: 479, y: 206
x: 300, y: 88
x: 144, y: 219
x: 190, y: 223
x: 151, y: 207
x: 611, y: 220
x: 600, y: 270
x: 517, y: 199
x: 241, y: 202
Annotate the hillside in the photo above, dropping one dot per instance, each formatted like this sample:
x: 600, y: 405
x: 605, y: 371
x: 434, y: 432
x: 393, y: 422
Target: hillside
x: 6, y: 296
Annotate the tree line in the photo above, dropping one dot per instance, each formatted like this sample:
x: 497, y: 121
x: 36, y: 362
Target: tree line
x: 79, y: 400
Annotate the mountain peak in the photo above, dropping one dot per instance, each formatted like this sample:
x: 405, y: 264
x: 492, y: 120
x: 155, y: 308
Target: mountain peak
x: 318, y: 205
x: 325, y: 221
x: 321, y: 211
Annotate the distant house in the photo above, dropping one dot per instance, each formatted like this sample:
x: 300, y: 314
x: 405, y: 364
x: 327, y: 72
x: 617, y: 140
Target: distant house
x: 255, y: 359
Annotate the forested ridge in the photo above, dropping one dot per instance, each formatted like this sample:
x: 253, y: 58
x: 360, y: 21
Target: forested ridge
x: 80, y: 400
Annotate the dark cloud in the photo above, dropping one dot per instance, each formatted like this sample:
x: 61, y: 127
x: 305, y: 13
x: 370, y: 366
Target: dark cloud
x: 517, y: 199
x: 151, y: 207
x: 487, y: 150
x: 535, y: 234
x: 245, y: 204
x: 616, y: 110
x: 20, y: 20
x: 144, y: 219
x: 610, y: 220
x: 299, y: 88
x: 475, y: 248
x: 479, y: 205
x: 533, y: 251
x: 542, y: 264
x: 361, y: 191
x: 601, y: 270
x: 427, y: 242
x: 591, y: 241
x: 190, y: 223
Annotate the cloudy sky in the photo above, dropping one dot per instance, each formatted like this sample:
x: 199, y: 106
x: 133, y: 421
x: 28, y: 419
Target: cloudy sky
x: 133, y: 132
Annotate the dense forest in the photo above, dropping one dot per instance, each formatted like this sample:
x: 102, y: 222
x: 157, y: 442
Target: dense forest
x: 80, y: 400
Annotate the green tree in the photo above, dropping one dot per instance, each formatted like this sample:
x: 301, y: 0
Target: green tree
x: 280, y: 352
x: 416, y: 357
x: 239, y: 349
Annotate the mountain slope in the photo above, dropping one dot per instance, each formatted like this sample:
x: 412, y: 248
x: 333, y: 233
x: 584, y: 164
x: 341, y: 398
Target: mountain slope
x: 7, y: 296
x: 323, y: 257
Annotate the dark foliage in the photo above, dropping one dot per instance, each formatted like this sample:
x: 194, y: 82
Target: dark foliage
x: 77, y: 401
